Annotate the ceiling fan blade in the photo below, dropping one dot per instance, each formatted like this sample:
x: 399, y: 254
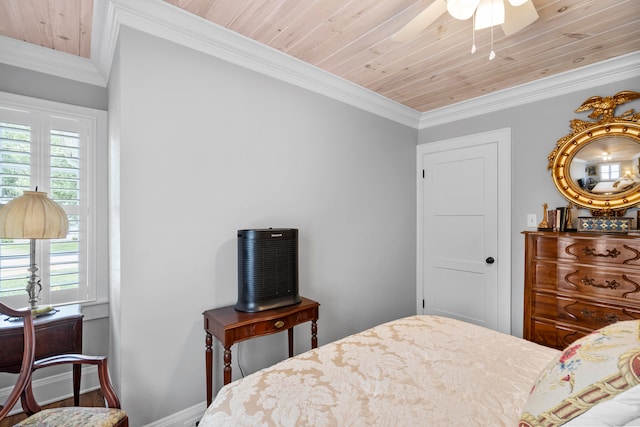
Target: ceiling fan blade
x: 420, y: 22
x: 518, y: 17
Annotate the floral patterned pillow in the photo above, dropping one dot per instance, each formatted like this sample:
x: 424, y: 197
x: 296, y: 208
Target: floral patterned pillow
x: 593, y: 369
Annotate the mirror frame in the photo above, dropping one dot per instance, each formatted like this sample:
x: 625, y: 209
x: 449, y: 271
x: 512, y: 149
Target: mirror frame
x: 585, y: 132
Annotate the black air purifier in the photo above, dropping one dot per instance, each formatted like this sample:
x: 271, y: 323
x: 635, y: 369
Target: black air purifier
x: 267, y: 269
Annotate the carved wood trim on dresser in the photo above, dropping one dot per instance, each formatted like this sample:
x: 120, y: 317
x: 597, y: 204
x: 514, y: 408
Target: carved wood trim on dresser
x: 578, y: 282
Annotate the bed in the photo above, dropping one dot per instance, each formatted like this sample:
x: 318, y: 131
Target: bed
x: 419, y: 370
x: 611, y: 187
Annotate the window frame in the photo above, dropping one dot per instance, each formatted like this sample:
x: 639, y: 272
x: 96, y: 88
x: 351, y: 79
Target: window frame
x: 92, y: 125
x: 608, y: 166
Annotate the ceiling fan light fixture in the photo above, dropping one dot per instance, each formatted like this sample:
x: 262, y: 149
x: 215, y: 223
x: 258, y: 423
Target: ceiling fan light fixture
x: 517, y: 2
x: 489, y: 14
x: 462, y: 9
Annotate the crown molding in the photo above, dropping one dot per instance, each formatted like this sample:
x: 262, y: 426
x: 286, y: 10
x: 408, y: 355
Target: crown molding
x: 589, y: 76
x: 44, y: 60
x: 168, y: 22
x: 104, y: 36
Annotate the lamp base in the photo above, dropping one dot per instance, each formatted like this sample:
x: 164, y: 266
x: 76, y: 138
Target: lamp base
x: 43, y: 310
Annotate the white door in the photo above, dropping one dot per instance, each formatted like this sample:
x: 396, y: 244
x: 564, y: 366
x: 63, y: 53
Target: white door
x: 459, y: 229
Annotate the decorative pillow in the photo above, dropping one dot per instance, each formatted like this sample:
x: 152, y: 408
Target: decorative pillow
x: 620, y: 410
x: 593, y: 369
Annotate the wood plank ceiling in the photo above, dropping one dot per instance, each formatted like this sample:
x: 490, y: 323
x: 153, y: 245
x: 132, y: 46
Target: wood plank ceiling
x: 351, y: 39
x: 63, y: 25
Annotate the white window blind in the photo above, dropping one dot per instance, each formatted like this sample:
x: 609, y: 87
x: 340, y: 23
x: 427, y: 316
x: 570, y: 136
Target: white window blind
x: 50, y: 151
x: 610, y: 171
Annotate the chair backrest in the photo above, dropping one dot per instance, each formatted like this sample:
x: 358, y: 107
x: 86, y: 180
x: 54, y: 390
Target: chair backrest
x: 28, y: 355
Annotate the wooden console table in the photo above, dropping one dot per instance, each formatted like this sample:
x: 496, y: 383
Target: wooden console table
x: 230, y: 326
x: 57, y: 333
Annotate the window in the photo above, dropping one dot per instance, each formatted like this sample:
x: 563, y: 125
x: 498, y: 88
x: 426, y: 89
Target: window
x: 52, y: 151
x: 609, y: 171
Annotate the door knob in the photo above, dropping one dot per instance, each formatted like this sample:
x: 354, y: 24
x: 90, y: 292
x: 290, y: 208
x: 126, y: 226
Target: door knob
x: 490, y: 260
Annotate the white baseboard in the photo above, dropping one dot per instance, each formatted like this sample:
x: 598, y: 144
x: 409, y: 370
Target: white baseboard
x: 185, y: 418
x: 57, y: 387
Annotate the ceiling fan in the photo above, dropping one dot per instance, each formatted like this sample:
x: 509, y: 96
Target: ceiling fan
x: 512, y: 15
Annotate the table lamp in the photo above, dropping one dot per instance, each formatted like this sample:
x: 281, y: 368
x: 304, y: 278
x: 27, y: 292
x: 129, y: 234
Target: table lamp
x: 33, y: 216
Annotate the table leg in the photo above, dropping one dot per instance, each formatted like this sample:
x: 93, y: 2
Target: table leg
x: 314, y: 334
x: 227, y: 365
x: 208, y: 358
x: 76, y: 384
x: 290, y: 336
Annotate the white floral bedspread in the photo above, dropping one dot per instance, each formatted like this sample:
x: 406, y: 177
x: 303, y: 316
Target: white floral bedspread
x: 416, y: 371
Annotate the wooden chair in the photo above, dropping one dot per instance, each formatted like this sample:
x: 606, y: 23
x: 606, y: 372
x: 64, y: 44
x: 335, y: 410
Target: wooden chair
x: 112, y: 415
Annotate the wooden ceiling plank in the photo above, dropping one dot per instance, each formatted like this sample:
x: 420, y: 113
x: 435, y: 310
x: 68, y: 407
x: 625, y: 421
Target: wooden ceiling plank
x: 447, y: 60
x: 443, y: 48
x: 36, y: 22
x: 197, y: 7
x: 399, y: 64
x: 580, y: 22
x: 224, y: 12
x: 550, y: 66
x: 11, y: 26
x: 370, y: 26
x: 435, y: 100
x: 388, y: 60
x: 303, y: 26
x: 536, y: 54
x: 549, y: 50
x: 438, y: 37
x: 513, y: 73
x: 280, y: 18
x: 446, y: 48
x: 373, y: 43
x: 64, y: 16
x: 331, y: 28
x: 254, y: 13
x: 86, y: 25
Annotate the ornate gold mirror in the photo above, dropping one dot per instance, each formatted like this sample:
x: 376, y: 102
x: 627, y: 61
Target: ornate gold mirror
x: 597, y: 165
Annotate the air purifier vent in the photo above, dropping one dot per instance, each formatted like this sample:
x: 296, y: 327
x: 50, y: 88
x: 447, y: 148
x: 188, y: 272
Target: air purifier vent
x: 267, y: 268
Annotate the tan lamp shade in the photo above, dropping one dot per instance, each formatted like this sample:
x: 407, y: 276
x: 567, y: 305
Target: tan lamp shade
x: 33, y: 216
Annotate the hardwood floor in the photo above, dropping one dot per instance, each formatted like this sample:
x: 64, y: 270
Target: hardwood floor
x: 92, y: 398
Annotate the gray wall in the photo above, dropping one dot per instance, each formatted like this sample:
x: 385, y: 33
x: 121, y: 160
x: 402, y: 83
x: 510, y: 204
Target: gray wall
x: 535, y: 129
x: 206, y: 148
x: 45, y: 86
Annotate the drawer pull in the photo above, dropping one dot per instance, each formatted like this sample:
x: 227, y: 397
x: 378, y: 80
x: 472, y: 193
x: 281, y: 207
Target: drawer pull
x: 279, y: 324
x: 611, y: 253
x: 587, y: 313
x: 607, y: 317
x: 611, y: 318
x: 608, y: 284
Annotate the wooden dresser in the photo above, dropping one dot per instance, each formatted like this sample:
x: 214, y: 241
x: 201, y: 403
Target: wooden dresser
x: 578, y: 282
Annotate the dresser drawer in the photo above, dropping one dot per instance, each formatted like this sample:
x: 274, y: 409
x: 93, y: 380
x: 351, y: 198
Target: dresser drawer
x: 608, y: 250
x: 582, y: 313
x: 599, y: 282
x: 277, y: 324
x: 553, y: 335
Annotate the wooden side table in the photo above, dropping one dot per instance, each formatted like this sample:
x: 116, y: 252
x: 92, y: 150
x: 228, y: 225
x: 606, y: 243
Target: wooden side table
x: 230, y: 326
x: 57, y: 333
